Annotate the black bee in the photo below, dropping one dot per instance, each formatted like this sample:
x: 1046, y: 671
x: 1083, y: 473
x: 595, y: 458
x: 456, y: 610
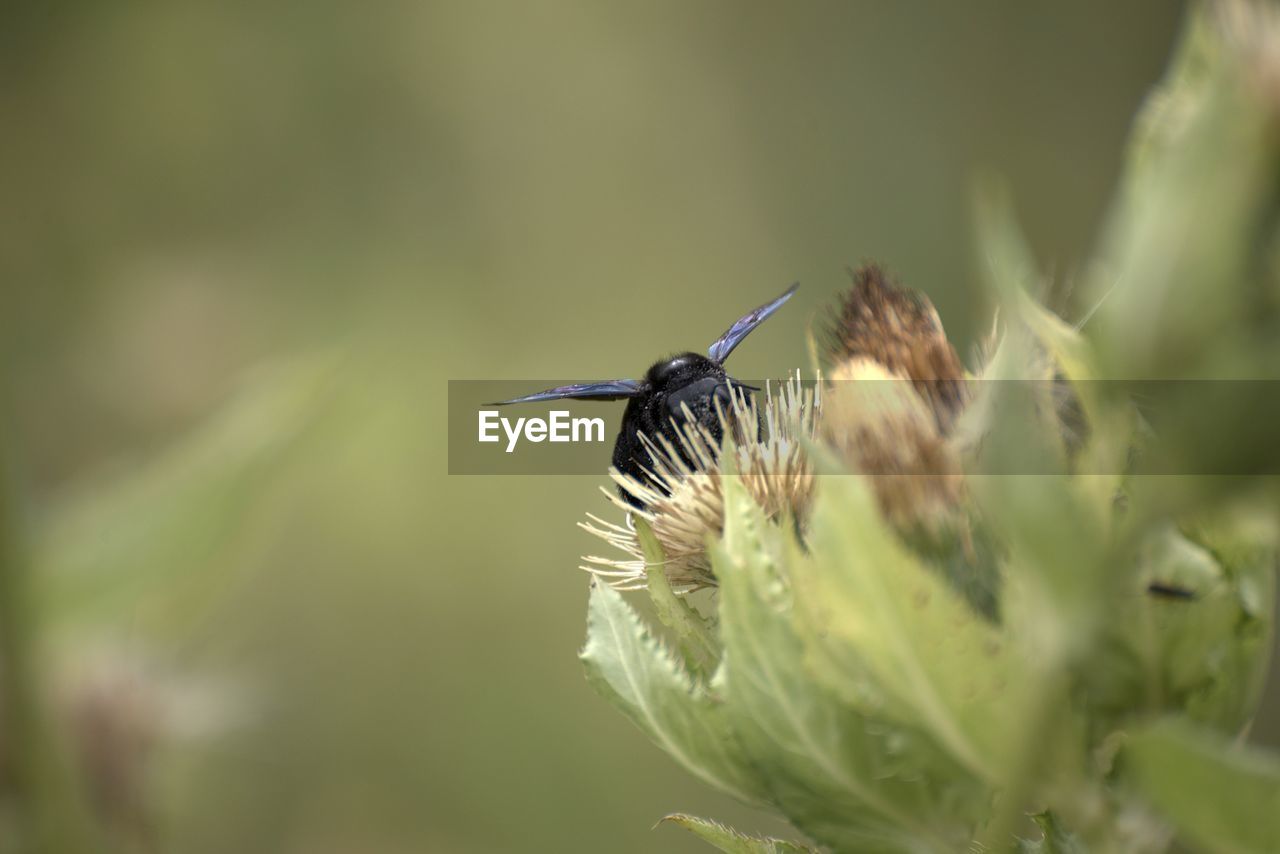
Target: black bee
x: 656, y: 404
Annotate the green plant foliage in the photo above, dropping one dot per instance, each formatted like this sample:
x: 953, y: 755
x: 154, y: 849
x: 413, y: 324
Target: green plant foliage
x: 846, y: 779
x: 1224, y: 797
x: 850, y: 682
x: 652, y: 687
x: 876, y: 615
x: 693, y: 631
x: 729, y: 840
x: 1205, y: 656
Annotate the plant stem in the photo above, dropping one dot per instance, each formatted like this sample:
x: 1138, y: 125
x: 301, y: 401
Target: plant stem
x: 49, y: 813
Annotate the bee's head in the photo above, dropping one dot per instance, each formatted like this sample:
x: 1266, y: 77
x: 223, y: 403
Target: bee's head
x: 679, y: 371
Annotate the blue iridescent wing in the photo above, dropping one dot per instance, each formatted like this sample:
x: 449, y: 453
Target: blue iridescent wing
x: 724, y: 345
x: 605, y: 390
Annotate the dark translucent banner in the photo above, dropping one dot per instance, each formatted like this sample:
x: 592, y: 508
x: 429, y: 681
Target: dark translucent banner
x: 1017, y: 427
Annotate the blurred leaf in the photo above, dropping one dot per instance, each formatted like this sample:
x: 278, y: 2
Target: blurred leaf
x: 142, y: 536
x: 1057, y: 543
x: 1059, y: 350
x: 628, y: 666
x: 1171, y: 278
x: 1203, y: 652
x: 874, y: 611
x: 844, y: 779
x: 1222, y: 797
x: 729, y: 840
x: 1015, y: 423
x: 1221, y: 655
x: 1168, y: 107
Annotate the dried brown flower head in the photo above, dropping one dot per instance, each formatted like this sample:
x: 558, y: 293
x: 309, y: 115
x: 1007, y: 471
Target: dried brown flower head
x: 899, y: 330
x: 880, y: 425
x: 895, y: 389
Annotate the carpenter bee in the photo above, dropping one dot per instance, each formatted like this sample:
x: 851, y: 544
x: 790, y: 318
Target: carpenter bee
x: 687, y: 383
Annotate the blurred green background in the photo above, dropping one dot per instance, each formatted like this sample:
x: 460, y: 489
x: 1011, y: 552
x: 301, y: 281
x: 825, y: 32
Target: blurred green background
x: 244, y: 247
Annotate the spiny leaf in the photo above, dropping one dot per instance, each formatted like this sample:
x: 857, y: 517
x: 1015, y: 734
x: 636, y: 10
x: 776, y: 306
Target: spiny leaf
x: 731, y: 841
x: 844, y: 779
x: 693, y: 631
x: 631, y: 669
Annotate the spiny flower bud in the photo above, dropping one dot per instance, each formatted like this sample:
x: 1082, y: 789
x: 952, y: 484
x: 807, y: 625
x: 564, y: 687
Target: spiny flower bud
x: 878, y: 424
x: 899, y: 330
x: 896, y: 387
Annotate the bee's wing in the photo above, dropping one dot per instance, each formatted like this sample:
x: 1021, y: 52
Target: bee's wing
x: 724, y: 345
x: 606, y: 390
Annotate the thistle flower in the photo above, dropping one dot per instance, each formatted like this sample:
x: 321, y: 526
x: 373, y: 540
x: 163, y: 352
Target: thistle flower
x: 684, y: 503
x: 896, y: 385
x: 898, y: 330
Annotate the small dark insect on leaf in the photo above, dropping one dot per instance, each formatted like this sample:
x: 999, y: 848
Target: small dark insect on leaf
x: 656, y: 404
x: 1165, y: 590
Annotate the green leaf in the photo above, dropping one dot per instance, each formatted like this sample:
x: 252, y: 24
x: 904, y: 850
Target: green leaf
x: 1204, y: 654
x: 692, y: 630
x: 1212, y: 646
x: 873, y: 611
x: 628, y: 666
x: 1221, y: 796
x: 845, y: 779
x: 727, y: 839
x: 1168, y: 107
x: 1058, y: 546
x: 1169, y: 279
x: 1044, y: 348
x: 1109, y: 419
x: 1012, y: 275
